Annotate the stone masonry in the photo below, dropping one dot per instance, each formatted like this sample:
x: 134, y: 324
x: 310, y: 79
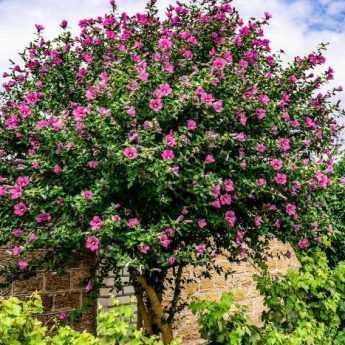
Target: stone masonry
x: 60, y: 294
x: 64, y: 293
x: 240, y: 282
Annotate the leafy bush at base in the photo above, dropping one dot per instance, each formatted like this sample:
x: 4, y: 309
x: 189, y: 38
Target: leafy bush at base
x: 18, y: 326
x: 304, y: 308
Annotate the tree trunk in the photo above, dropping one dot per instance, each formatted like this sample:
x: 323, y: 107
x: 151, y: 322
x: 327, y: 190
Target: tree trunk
x: 157, y: 311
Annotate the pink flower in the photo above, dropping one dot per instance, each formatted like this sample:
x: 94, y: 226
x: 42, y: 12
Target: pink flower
x: 171, y: 260
x: 260, y: 113
x: 209, y: 159
x: 25, y: 110
x: 87, y: 57
x: 291, y: 210
x: 22, y: 264
x: 96, y: 223
x: 133, y: 222
x: 16, y: 192
x: 131, y: 111
x: 63, y: 315
x: 284, y: 144
x: 230, y: 217
x: 241, y: 136
x: 33, y: 237
x: 229, y: 185
x: 17, y: 250
x: 304, y: 244
x: 79, y: 113
x: 200, y: 248
x: 258, y: 221
x: 143, y: 248
x: 225, y: 199
x: 261, y: 182
x: 92, y: 164
x: 202, y: 223
x: 92, y: 243
x: 276, y: 164
x: 164, y: 44
x: 43, y: 217
x: 280, y: 179
x: 164, y: 240
x: 264, y: 99
x: 261, y: 148
x: 170, y: 140
x: 64, y: 24
x: 162, y: 90
x: 17, y: 232
x: 156, y: 104
x: 342, y: 180
x: 88, y: 286
x: 57, y: 169
x: 216, y: 203
x: 218, y: 106
x: 130, y: 153
x: 32, y: 98
x: 87, y: 195
x: 20, y: 209
x: 219, y: 63
x: 191, y: 125
x: 22, y: 181
x: 39, y: 27
x: 168, y: 155
x: 116, y: 218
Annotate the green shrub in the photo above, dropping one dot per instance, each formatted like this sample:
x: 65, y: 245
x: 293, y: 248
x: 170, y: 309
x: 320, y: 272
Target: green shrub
x: 306, y: 307
x: 19, y: 326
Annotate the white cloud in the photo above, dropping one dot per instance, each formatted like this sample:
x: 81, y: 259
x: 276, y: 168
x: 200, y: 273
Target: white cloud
x: 290, y: 28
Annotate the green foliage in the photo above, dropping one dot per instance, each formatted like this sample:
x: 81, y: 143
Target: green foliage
x: 335, y: 203
x: 19, y: 326
x: 304, y: 308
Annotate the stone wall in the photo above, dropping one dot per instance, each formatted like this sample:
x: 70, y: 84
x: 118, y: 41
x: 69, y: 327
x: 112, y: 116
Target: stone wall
x: 60, y: 294
x: 240, y: 282
x: 64, y: 293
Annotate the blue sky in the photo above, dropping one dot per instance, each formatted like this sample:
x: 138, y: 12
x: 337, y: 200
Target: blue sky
x: 297, y: 25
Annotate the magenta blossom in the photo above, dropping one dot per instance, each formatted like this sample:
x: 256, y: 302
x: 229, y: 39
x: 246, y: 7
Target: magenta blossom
x: 92, y: 164
x: 17, y: 232
x: 20, y: 209
x: 92, y: 243
x: 280, y: 179
x: 202, y: 223
x: 164, y: 240
x: 191, y: 125
x: 231, y: 218
x: 133, y: 222
x: 22, y: 181
x: 87, y: 195
x: 200, y: 248
x: 130, y: 153
x: 168, y: 155
x: 260, y: 182
x: 276, y: 164
x: 171, y: 260
x: 22, y: 265
x: 96, y: 223
x: 209, y: 159
x: 43, y: 218
x: 291, y: 210
x: 170, y: 140
x: 143, y: 248
x: 304, y: 244
x: 156, y: 104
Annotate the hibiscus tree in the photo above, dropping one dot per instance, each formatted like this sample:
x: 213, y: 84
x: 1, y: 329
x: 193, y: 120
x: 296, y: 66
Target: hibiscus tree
x: 158, y: 143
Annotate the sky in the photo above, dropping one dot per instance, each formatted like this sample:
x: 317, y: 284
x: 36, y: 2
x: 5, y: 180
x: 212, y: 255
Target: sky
x: 297, y: 26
